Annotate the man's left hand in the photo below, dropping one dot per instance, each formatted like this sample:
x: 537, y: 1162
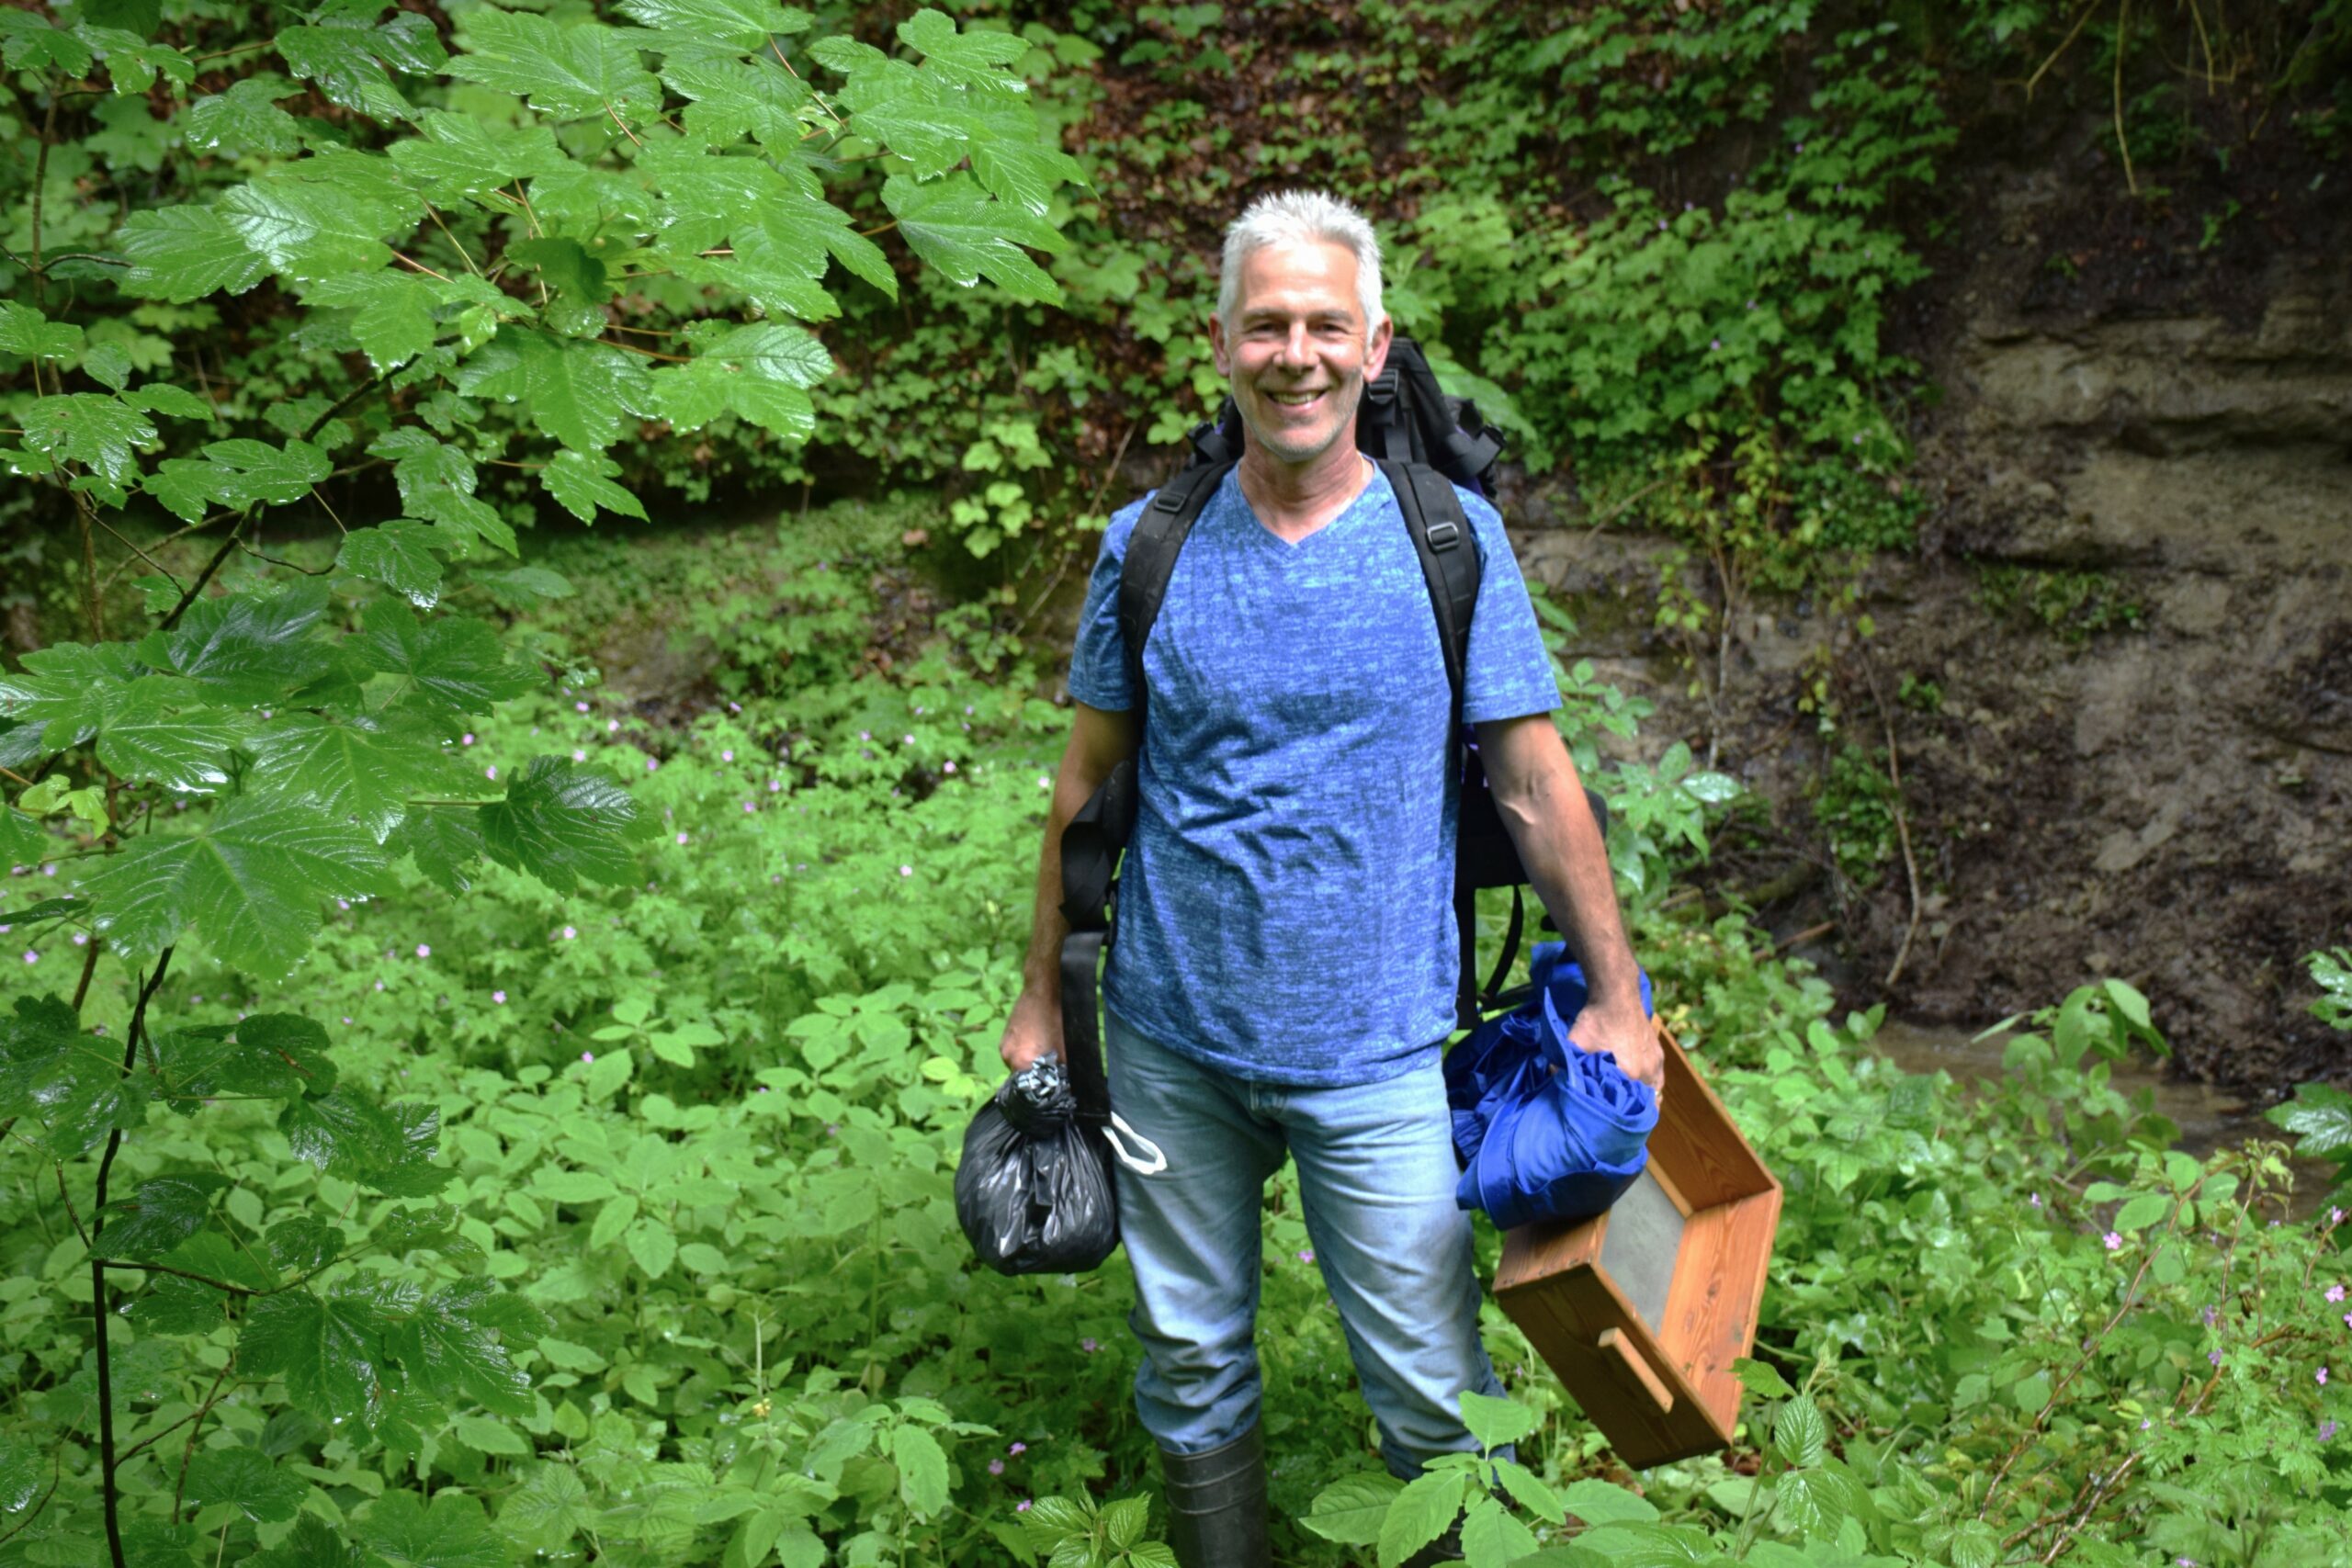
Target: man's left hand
x: 1627, y: 1033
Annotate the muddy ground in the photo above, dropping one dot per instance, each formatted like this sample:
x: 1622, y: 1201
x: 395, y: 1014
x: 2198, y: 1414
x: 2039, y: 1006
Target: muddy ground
x: 2121, y: 393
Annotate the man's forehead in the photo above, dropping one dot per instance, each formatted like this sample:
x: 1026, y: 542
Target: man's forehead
x: 1301, y: 276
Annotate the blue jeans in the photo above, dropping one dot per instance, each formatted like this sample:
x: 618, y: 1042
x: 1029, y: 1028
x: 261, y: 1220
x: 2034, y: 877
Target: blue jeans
x: 1375, y: 1177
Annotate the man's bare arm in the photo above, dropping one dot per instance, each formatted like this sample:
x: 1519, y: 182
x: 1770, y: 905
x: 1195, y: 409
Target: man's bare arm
x: 1542, y: 805
x: 1099, y: 741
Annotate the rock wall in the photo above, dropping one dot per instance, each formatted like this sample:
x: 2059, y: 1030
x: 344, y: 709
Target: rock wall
x: 2172, y: 803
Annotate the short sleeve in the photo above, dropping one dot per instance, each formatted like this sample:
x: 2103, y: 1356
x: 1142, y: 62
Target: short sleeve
x: 1098, y: 662
x: 1509, y: 671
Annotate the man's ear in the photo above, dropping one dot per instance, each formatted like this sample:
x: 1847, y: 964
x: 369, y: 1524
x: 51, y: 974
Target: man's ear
x: 1219, y: 349
x: 1376, y: 355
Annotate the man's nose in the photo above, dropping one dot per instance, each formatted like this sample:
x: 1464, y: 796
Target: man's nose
x: 1294, y: 349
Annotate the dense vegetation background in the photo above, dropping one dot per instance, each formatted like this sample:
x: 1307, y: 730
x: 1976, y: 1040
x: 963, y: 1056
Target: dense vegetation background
x: 455, y: 1116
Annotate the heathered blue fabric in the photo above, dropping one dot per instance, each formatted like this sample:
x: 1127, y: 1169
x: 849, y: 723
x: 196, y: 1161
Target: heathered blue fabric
x: 1285, y: 911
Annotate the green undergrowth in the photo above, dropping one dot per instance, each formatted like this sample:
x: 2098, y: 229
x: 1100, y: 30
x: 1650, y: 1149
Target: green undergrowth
x: 702, y: 1127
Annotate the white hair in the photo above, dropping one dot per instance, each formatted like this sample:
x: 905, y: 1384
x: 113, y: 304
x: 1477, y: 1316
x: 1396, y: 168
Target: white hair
x: 1294, y: 217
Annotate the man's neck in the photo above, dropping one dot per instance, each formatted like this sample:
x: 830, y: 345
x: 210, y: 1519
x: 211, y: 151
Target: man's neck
x: 1295, y: 500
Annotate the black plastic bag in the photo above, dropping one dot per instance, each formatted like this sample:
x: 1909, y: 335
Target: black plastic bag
x: 1035, y: 1190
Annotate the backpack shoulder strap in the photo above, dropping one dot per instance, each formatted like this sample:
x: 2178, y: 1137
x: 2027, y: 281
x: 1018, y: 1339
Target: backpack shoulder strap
x: 1441, y: 531
x: 1150, y: 562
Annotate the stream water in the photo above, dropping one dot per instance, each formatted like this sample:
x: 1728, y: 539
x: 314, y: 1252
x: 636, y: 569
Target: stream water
x: 2208, y: 1117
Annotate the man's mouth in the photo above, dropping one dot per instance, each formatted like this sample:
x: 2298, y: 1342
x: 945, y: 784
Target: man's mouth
x: 1296, y: 400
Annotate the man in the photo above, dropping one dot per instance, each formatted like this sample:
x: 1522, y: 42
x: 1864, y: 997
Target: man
x: 1284, y: 973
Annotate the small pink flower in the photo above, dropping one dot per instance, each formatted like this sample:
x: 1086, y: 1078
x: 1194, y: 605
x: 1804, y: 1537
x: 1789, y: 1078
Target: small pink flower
x: 612, y: 726
x: 469, y: 739
x: 2323, y: 1377
x: 498, y: 997
x: 580, y: 707
x: 422, y: 951
x: 2336, y: 1292
x: 379, y: 985
x: 951, y: 765
x: 491, y: 771
x: 2114, y: 1241
x: 570, y: 931
x: 651, y: 763
x: 775, y: 784
x: 906, y: 871
x: 726, y: 756
x: 2035, y: 1199
x: 1018, y: 1448
x: 587, y: 1055
x: 1307, y: 1255
x: 577, y: 755
x: 32, y: 957
x: 996, y: 1467
x: 750, y: 806
x: 1090, y: 1347
x: 1021, y: 1506
x: 682, y: 838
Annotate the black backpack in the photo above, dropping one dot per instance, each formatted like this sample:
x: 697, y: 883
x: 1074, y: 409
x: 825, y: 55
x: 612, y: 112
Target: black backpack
x: 1426, y: 442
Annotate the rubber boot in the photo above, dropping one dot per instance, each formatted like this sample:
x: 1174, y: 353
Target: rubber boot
x: 1216, y: 1504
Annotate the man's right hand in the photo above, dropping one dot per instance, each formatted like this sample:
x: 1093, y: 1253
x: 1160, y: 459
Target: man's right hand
x: 1035, y: 1030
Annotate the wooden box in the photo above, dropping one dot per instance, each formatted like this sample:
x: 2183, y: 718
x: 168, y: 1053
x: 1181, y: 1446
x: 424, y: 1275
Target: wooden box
x: 1641, y: 1311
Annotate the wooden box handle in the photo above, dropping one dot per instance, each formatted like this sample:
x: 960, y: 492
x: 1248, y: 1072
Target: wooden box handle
x: 1631, y: 1368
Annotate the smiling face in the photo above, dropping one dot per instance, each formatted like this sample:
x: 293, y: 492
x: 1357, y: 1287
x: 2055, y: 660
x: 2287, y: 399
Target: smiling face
x: 1296, y: 356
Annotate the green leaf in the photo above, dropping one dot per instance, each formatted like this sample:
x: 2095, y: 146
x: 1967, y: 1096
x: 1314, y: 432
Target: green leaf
x: 360, y: 771
x: 308, y: 222
x: 923, y: 1470
x: 2320, y: 1116
x: 583, y: 483
x: 572, y: 72
x: 164, y: 1213
x: 173, y: 1305
x: 312, y: 1544
x: 262, y: 472
x: 1760, y: 1379
x: 446, y: 845
x: 2138, y: 1213
x: 143, y: 741
x: 161, y: 397
x: 728, y: 97
x: 273, y: 1056
x: 485, y: 1435
x: 563, y: 825
x: 302, y: 1243
x: 572, y: 1186
x: 1599, y: 1502
x: 463, y: 518
x: 1799, y: 1433
x: 28, y: 333
x: 1489, y: 1535
x: 97, y: 432
x: 611, y: 1221
x: 244, y: 119
x: 1419, y: 1514
x: 340, y: 60
x: 2031, y: 1394
x: 757, y: 372
x: 69, y: 1083
x: 327, y: 1350
x: 1495, y: 1422
x: 449, y: 663
x: 246, y: 1479
x: 392, y: 318
x: 179, y: 254
x: 548, y: 1512
x: 953, y: 224
x: 458, y: 156
x: 653, y: 1246
x: 973, y: 58
x: 452, y: 1533
x: 573, y: 391
x: 245, y: 649
x: 745, y: 24
x: 387, y: 1148
x: 109, y: 365
x: 249, y: 882
x: 1350, y: 1511
x: 28, y: 43
x: 453, y: 1345
x: 396, y: 554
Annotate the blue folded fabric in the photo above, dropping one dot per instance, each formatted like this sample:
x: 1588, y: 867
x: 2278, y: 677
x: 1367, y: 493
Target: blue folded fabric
x: 1541, y: 1130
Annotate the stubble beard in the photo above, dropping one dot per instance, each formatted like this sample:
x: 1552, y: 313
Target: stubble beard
x: 1291, y: 446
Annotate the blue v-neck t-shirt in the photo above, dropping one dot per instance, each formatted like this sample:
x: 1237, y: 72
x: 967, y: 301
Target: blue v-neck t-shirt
x: 1286, y: 909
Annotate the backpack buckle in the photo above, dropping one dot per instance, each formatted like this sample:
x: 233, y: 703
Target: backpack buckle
x: 1444, y: 536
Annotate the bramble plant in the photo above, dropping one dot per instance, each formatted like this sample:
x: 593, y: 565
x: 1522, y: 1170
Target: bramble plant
x: 206, y: 770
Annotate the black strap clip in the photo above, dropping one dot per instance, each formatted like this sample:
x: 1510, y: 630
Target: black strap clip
x: 1443, y: 534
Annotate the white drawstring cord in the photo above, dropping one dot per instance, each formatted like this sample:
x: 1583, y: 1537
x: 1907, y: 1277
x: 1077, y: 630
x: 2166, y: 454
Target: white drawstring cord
x: 1118, y: 1125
